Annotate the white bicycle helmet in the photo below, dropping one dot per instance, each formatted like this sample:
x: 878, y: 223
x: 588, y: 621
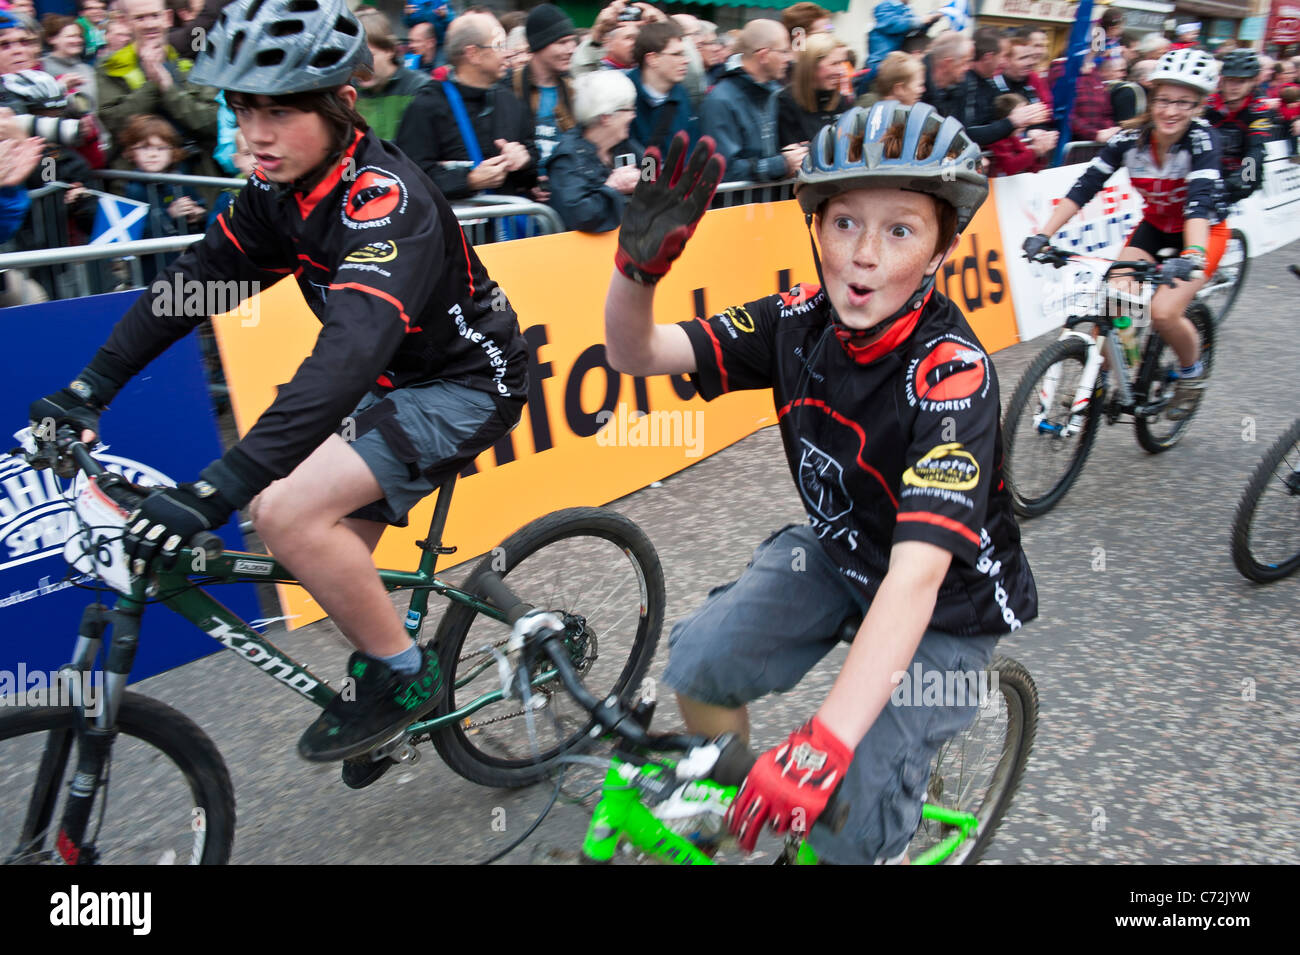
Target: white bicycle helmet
x: 36, y: 89
x: 1192, y: 68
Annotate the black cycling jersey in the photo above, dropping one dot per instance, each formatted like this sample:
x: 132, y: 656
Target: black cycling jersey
x: 382, y: 261
x: 907, y: 447
x: 1243, y: 133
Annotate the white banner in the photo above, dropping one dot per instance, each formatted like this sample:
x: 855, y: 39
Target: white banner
x: 1044, y: 296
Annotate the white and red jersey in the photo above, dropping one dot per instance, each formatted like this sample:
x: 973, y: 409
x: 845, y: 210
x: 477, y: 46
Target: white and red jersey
x: 1185, y: 185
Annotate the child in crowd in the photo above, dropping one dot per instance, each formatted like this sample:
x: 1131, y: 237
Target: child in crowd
x: 1011, y: 154
x: 151, y: 144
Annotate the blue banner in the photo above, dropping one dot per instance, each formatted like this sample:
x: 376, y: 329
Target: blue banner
x: 1063, y: 91
x: 160, y: 430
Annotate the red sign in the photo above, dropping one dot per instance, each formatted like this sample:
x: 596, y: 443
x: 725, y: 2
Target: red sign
x: 1283, y: 22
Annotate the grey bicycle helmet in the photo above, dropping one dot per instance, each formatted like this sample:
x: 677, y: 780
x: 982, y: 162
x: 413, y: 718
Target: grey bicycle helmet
x: 36, y: 89
x: 1241, y: 64
x: 851, y: 155
x: 277, y: 47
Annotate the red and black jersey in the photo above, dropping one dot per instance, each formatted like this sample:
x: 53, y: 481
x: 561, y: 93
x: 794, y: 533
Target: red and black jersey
x: 1186, y: 185
x: 907, y: 447
x: 1244, y: 133
x: 380, y: 258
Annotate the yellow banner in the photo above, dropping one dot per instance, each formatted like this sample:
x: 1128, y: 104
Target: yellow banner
x: 559, y: 456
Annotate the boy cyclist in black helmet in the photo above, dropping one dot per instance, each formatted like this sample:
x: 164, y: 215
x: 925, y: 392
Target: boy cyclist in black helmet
x: 888, y: 410
x: 418, y: 347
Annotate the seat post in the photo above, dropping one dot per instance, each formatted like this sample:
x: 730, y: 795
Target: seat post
x: 432, y: 546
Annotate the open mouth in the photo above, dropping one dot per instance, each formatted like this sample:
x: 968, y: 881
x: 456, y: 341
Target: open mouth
x: 859, y: 295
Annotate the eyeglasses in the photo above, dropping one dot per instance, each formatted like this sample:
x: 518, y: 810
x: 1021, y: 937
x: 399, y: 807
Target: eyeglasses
x: 499, y: 46
x: 1182, y: 105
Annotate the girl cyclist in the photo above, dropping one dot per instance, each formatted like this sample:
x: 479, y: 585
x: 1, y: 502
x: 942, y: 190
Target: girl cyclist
x: 1173, y: 161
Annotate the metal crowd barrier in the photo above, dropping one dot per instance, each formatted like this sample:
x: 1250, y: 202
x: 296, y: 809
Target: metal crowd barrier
x: 71, y: 271
x: 743, y: 193
x: 1084, y: 150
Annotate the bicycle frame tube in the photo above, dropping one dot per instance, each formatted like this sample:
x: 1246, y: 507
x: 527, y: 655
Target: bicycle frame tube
x: 620, y: 815
x: 965, y: 823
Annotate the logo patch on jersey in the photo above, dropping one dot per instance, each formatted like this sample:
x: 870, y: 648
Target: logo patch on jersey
x: 382, y: 251
x: 947, y: 466
x: 950, y: 372
x: 1264, y: 125
x: 740, y: 318
x: 375, y: 197
x: 821, y: 480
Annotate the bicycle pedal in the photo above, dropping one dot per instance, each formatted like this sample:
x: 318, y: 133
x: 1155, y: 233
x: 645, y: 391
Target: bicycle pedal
x: 360, y: 772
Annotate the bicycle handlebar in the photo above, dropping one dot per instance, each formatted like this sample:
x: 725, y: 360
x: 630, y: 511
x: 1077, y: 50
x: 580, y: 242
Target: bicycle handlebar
x: 68, y: 444
x: 1139, y: 269
x: 614, y: 716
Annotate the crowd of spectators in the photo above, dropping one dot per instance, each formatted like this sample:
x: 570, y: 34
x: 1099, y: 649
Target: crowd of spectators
x: 527, y: 104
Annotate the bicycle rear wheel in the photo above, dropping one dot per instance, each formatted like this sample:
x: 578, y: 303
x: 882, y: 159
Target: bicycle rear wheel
x: 1043, y: 456
x: 1156, y: 431
x: 599, y: 569
x: 1222, y: 290
x: 979, y: 770
x: 167, y: 796
x: 1266, y: 529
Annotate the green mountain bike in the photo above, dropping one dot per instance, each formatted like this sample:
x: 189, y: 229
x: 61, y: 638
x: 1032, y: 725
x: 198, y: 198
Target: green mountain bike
x: 114, y: 776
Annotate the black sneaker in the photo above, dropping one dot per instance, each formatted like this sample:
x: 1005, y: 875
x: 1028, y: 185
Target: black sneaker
x: 375, y: 708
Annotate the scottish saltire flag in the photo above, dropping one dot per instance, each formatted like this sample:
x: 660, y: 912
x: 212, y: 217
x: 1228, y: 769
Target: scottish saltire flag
x: 1063, y: 91
x: 118, y: 220
x: 958, y: 13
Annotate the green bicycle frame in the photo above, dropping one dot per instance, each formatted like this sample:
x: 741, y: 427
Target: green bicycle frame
x: 175, y: 591
x: 620, y: 815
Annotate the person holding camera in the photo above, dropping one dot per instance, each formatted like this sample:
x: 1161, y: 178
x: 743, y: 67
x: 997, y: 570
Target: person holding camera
x: 596, y: 167
x: 615, y: 30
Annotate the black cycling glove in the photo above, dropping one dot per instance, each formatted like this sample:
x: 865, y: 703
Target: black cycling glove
x: 81, y: 403
x: 1183, y: 267
x: 664, y: 211
x: 1033, y: 245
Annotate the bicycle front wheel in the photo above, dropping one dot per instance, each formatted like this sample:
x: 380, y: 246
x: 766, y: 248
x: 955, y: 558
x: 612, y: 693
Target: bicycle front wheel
x: 1156, y: 430
x: 1266, y: 529
x: 1047, y: 439
x: 1224, y: 286
x: 165, y: 797
x: 979, y: 770
x: 594, y: 566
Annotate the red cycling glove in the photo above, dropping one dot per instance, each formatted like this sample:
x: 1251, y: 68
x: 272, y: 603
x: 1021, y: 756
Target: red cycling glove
x: 664, y: 211
x: 790, y: 784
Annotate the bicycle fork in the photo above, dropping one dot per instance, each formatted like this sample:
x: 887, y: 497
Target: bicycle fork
x: 94, y: 740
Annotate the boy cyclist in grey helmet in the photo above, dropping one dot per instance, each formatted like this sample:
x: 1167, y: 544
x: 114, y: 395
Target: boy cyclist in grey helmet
x: 889, y: 414
x: 417, y: 347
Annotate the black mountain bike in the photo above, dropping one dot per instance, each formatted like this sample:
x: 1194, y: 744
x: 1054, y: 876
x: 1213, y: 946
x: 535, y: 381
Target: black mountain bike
x: 1052, y: 418
x: 1266, y: 529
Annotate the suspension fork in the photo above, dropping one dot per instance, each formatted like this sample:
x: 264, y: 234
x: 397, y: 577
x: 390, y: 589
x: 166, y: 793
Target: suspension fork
x: 95, y: 740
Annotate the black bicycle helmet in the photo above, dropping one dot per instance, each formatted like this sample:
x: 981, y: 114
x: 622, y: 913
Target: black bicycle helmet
x: 1241, y: 64
x: 850, y: 155
x: 277, y: 47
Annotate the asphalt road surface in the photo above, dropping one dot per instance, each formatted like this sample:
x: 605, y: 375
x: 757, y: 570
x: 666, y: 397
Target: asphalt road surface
x: 1170, y: 698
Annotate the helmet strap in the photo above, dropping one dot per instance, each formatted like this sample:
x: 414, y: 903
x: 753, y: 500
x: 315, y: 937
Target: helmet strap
x: 865, y: 345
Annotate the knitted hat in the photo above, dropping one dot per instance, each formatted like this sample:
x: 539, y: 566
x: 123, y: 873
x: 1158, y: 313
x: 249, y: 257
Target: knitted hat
x: 547, y: 23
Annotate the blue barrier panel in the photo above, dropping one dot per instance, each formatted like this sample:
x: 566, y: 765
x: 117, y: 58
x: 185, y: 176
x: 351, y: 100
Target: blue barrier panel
x: 160, y: 430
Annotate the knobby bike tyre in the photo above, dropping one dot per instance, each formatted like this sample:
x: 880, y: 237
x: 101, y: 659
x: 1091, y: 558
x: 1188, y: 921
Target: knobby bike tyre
x: 1266, y: 528
x: 1039, y: 466
x: 1156, y: 432
x: 590, y: 562
x: 980, y: 769
x: 1228, y: 279
x: 168, y: 798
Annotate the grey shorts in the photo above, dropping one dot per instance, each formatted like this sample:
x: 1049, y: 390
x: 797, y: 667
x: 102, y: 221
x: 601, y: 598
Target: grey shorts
x: 414, y: 438
x: 763, y: 632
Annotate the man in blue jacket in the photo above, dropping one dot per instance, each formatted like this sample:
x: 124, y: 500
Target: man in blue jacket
x: 740, y: 111
x: 663, y: 105
x: 894, y: 20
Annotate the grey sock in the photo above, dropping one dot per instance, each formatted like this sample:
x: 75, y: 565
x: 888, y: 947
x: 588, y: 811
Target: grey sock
x: 408, y: 661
